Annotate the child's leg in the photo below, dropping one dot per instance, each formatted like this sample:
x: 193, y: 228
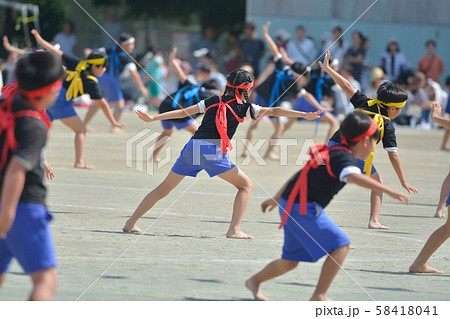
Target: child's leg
x: 249, y: 137
x: 78, y: 127
x: 44, y: 284
x: 334, y: 125
x: 279, y: 130
x: 375, y: 205
x: 118, y: 107
x: 276, y: 268
x: 159, y: 144
x: 291, y: 121
x: 2, y: 278
x: 329, y: 270
x: 445, y: 140
x: 161, y: 191
x: 437, y: 238
x: 244, y: 185
x: 443, y: 196
x: 90, y: 113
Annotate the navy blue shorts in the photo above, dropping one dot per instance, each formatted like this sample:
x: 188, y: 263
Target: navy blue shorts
x: 310, y: 237
x: 168, y: 124
x: 62, y: 108
x: 29, y: 240
x: 304, y: 106
x: 198, y: 155
x: 110, y: 87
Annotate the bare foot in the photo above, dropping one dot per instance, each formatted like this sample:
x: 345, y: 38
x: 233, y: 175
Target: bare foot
x: 154, y: 160
x: 377, y: 225
x: 439, y: 213
x: 254, y: 287
x: 116, y: 130
x: 244, y: 154
x: 320, y: 297
x: 443, y: 148
x: 131, y: 229
x: 90, y: 129
x: 238, y: 235
x: 83, y: 166
x: 424, y: 268
x: 272, y: 156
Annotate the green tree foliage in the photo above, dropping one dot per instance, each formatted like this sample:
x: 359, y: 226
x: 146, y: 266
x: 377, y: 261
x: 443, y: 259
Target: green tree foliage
x: 51, y: 16
x: 223, y: 15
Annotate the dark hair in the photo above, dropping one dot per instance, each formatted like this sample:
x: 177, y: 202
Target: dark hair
x: 300, y: 27
x: 389, y: 44
x: 430, y: 42
x: 249, y: 25
x: 36, y: 70
x: 211, y: 85
x: 298, y: 67
x: 204, y: 68
x: 447, y: 81
x: 70, y: 23
x: 355, y: 124
x: 96, y: 54
x: 388, y: 92
x: 124, y: 37
x: 238, y: 77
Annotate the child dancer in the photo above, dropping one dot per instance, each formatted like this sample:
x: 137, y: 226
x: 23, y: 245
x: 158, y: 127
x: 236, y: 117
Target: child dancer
x: 24, y: 231
x: 81, y: 79
x: 207, y: 148
x: 388, y: 105
x: 442, y: 233
x: 187, y: 95
x: 309, y: 233
x: 119, y: 61
x: 281, y: 85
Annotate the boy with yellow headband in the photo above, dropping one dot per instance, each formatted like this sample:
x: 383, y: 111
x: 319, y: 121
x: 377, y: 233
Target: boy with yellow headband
x: 388, y: 105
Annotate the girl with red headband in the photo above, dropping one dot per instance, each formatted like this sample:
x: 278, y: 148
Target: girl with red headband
x: 24, y: 220
x: 309, y: 233
x: 208, y: 147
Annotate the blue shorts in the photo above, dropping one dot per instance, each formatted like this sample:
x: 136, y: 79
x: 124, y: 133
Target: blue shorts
x: 304, y: 106
x: 110, y: 87
x: 62, y: 108
x: 310, y: 237
x: 168, y: 124
x: 448, y: 199
x: 29, y: 240
x: 198, y: 155
x: 359, y: 162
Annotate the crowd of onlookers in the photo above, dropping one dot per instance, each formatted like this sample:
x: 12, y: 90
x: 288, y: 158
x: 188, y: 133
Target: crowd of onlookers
x: 214, y: 56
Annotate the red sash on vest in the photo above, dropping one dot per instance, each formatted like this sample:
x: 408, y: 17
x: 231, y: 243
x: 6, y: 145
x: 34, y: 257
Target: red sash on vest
x: 221, y: 122
x: 320, y: 155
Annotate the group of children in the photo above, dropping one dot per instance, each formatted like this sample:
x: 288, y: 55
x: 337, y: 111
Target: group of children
x: 309, y: 233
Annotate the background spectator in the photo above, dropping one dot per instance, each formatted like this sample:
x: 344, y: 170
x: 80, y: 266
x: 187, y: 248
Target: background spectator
x: 393, y: 62
x: 252, y: 48
x: 355, y: 55
x: 431, y: 64
x: 66, y: 38
x: 113, y: 28
x: 301, y: 49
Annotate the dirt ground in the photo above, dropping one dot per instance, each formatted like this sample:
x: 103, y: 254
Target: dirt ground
x: 184, y: 255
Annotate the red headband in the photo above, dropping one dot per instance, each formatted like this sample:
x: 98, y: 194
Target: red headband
x: 241, y: 86
x: 42, y: 91
x: 370, y: 131
x: 35, y: 94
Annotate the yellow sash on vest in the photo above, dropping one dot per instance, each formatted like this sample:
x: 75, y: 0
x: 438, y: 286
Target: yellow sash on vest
x: 76, y: 84
x: 379, y: 120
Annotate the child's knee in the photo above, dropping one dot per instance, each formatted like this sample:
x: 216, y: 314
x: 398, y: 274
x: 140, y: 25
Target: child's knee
x: 289, y: 264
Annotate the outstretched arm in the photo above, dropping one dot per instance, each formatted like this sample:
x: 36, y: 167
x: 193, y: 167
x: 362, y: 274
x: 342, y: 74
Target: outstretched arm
x: 46, y: 45
x: 312, y: 100
x: 271, y: 44
x: 107, y: 111
x: 10, y: 48
x: 176, y: 66
x: 285, y: 57
x: 398, y: 168
x: 367, y: 182
x: 176, y: 114
x: 282, y: 111
x: 339, y: 79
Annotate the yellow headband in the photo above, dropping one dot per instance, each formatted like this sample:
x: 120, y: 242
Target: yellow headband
x: 76, y: 84
x: 398, y: 105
